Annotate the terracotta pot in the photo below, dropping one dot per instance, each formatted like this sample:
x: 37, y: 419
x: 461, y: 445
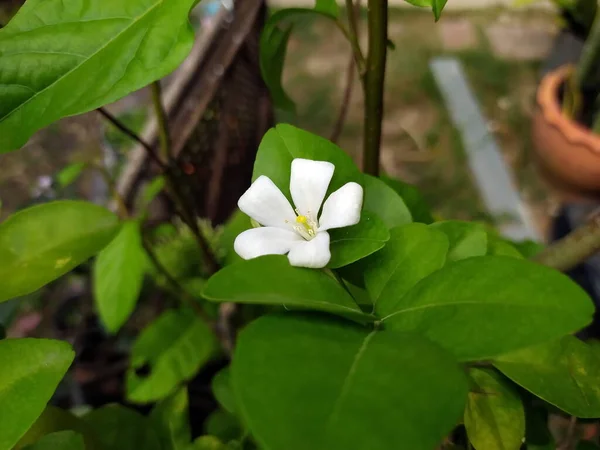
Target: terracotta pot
x: 568, y: 152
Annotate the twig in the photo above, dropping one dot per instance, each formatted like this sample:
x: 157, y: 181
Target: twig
x: 374, y: 84
x: 127, y: 131
x: 161, y: 117
x: 574, y: 248
x: 353, y: 36
x: 570, y: 436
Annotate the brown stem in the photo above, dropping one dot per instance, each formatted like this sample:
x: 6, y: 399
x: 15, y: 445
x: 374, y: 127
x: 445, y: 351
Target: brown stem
x: 127, y: 131
x: 374, y: 85
x: 341, y: 119
x: 574, y: 248
x: 163, y: 124
x: 353, y: 34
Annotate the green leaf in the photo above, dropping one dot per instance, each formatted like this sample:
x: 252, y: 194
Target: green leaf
x: 69, y: 174
x: 169, y: 351
x: 73, y: 57
x: 467, y: 239
x: 207, y: 443
x: 385, y: 202
x: 305, y: 382
x: 271, y: 280
x: 501, y: 247
x: 418, y: 207
x: 273, y: 46
x: 485, y: 306
x: 118, y: 275
x: 282, y: 144
x: 349, y: 244
x: 413, y: 252
x: 42, y: 243
x: 31, y: 370
x: 151, y: 191
x: 62, y: 440
x: 237, y: 224
x: 171, y: 421
x: 437, y: 6
x: 223, y: 425
x: 54, y: 419
x: 495, y: 417
x: 221, y: 388
x: 564, y: 373
x: 120, y: 428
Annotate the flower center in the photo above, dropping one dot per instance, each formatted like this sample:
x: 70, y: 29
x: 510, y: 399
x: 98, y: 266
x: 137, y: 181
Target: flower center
x: 306, y: 226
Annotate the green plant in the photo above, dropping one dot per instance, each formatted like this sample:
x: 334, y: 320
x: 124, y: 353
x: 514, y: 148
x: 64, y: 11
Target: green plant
x: 380, y: 329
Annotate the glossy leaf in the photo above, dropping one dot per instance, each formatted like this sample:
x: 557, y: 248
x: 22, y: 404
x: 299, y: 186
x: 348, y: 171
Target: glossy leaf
x: 305, y: 382
x: 61, y: 440
x: 120, y: 428
x: 54, y: 419
x: 271, y: 280
x: 65, y: 57
x: 31, y: 371
x: 385, y: 202
x: 413, y: 199
x: 118, y: 275
x: 495, y: 417
x: 169, y: 351
x: 170, y: 419
x: 221, y: 388
x: 282, y: 144
x: 500, y: 247
x: 413, y: 252
x: 350, y: 244
x: 468, y: 306
x: 564, y: 373
x: 273, y: 46
x: 467, y: 239
x: 42, y: 243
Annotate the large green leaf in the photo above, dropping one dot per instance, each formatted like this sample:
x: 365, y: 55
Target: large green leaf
x: 485, y: 306
x: 282, y: 144
x: 305, y: 382
x: 41, y: 243
x: 118, y: 275
x: 564, y: 373
x: 221, y: 388
x: 467, y: 239
x: 61, y: 440
x: 495, y: 417
x: 237, y: 224
x: 350, y: 244
x: 171, y: 420
x: 273, y: 46
x: 413, y: 252
x: 59, y: 58
x: 385, y: 202
x: 31, y: 370
x: 54, y: 419
x: 271, y: 280
x: 169, y: 351
x: 120, y: 428
x: 413, y: 199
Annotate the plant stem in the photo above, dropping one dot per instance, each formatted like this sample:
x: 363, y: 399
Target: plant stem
x: 353, y: 35
x: 163, y: 124
x: 127, y: 131
x: 587, y: 67
x: 341, y: 119
x: 374, y: 84
x: 574, y: 248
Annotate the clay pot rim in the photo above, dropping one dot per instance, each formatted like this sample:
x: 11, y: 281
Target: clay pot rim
x: 547, y: 100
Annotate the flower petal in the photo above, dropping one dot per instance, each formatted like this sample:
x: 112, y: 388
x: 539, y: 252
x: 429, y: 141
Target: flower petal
x: 308, y: 185
x: 313, y: 254
x: 266, y: 204
x: 342, y: 208
x: 265, y: 241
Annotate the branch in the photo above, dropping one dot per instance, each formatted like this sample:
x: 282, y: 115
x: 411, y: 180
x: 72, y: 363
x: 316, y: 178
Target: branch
x: 163, y: 124
x: 341, y: 119
x: 127, y: 131
x: 574, y: 248
x: 352, y: 35
x: 374, y: 84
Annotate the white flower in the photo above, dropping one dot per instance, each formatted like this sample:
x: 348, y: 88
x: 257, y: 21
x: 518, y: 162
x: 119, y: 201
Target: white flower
x: 299, y: 234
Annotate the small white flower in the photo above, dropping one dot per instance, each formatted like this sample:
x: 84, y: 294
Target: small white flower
x: 299, y: 234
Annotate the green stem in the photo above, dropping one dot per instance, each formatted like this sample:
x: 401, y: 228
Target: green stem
x: 590, y: 56
x: 574, y: 248
x: 374, y: 85
x: 163, y: 124
x: 353, y: 36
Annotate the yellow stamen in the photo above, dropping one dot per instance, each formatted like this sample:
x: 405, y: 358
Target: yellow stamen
x: 301, y: 219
